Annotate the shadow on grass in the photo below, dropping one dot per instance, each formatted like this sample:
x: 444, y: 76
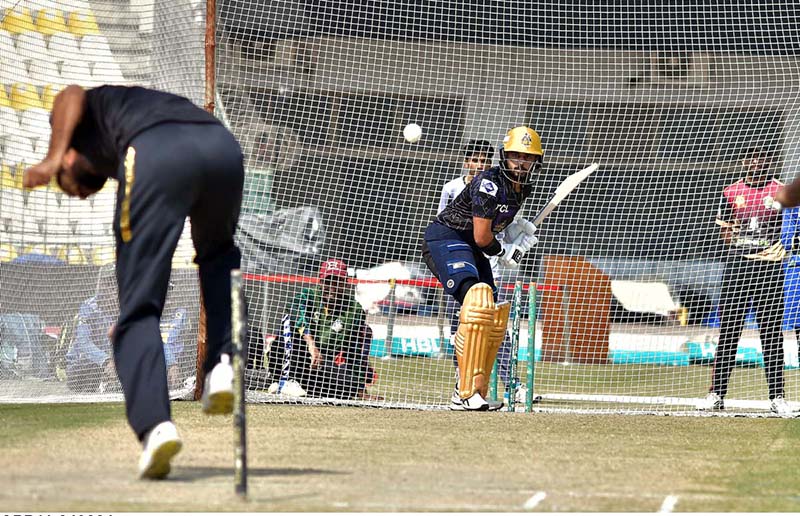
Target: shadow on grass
x: 190, y: 473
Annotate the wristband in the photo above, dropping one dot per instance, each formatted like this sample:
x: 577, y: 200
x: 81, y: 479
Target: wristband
x: 493, y: 248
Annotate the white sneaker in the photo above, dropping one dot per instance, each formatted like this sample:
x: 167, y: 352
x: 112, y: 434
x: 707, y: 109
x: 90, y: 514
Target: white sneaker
x: 160, y: 444
x: 712, y: 401
x: 292, y: 388
x: 779, y: 406
x: 273, y: 388
x: 218, y: 392
x: 456, y: 403
x: 475, y: 402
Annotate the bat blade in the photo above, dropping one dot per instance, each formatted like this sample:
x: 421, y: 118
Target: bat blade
x: 564, y: 189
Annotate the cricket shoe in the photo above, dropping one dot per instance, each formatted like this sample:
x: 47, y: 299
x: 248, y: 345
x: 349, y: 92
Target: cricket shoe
x: 712, y: 401
x: 160, y: 444
x: 779, y: 406
x: 218, y: 392
x: 287, y: 388
x: 456, y: 403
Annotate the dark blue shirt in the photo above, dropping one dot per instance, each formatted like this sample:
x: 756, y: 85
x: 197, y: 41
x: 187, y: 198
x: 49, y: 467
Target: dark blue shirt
x: 114, y: 115
x: 490, y: 195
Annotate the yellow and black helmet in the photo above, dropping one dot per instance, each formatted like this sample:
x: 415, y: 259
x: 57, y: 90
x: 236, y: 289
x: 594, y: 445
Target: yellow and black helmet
x: 525, y: 141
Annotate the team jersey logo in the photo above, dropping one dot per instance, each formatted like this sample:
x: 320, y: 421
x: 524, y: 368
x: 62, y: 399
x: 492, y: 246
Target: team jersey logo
x: 488, y: 187
x: 526, y: 140
x: 740, y: 201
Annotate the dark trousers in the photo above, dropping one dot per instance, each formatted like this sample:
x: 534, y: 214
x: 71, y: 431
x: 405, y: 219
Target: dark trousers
x: 762, y: 282
x: 179, y: 170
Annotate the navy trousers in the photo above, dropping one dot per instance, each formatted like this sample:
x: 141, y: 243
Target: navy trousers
x: 169, y: 172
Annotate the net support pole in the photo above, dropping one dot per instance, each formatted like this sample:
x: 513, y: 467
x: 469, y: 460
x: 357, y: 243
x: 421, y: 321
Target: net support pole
x: 511, y: 385
x: 387, y: 343
x: 531, y: 355
x: 210, y: 90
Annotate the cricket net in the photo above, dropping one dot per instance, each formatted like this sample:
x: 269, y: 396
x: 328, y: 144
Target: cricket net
x: 629, y: 268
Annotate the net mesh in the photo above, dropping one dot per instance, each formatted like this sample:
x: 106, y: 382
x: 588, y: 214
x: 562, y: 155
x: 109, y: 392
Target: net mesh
x: 57, y: 281
x: 630, y: 268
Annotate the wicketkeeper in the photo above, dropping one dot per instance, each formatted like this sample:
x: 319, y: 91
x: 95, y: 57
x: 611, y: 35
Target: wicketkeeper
x: 456, y: 248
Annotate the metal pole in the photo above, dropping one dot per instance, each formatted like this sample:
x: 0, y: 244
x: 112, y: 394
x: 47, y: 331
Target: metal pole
x: 238, y: 335
x: 387, y: 343
x: 516, y: 303
x: 440, y: 320
x: 531, y: 366
x: 566, y: 332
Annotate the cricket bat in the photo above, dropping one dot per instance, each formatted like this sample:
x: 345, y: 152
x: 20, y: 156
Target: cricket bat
x: 564, y: 189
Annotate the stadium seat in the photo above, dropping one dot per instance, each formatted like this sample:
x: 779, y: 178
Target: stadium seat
x: 107, y: 72
x: 7, y: 252
x: 18, y: 21
x: 63, y: 46
x: 4, y: 100
x: 35, y: 123
x: 9, y: 178
x: 77, y: 72
x: 18, y: 150
x: 50, y: 21
x: 12, y: 69
x: 30, y: 45
x: 25, y: 96
x: 73, y: 254
x: 103, y: 254
x: 9, y: 121
x: 44, y: 71
x: 49, y: 93
x: 6, y: 42
x: 82, y: 23
x: 96, y: 47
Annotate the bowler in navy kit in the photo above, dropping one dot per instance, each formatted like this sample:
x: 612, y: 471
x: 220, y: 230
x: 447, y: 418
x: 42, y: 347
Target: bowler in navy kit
x: 171, y: 160
x: 456, y: 248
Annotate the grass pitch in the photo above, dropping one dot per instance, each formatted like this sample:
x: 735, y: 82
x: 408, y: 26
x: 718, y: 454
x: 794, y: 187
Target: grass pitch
x: 83, y: 458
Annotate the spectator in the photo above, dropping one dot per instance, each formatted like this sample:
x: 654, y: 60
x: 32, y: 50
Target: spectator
x: 326, y: 341
x: 89, y: 362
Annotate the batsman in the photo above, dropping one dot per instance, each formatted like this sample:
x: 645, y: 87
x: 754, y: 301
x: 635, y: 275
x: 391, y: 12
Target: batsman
x: 457, y: 247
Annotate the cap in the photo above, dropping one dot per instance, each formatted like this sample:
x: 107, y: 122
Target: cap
x: 332, y: 267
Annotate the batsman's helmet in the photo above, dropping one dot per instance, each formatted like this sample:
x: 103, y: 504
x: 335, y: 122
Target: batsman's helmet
x: 525, y: 141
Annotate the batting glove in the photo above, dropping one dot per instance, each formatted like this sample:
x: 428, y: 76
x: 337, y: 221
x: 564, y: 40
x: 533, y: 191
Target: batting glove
x: 511, y: 255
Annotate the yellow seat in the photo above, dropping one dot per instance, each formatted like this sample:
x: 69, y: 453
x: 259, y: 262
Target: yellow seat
x: 25, y: 96
x: 103, y: 255
x: 18, y: 20
x: 7, y: 252
x: 49, y: 21
x: 49, y: 93
x: 4, y: 100
x: 73, y: 254
x: 10, y: 178
x: 40, y: 249
x: 82, y: 23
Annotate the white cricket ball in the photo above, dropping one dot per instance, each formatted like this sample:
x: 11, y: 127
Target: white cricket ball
x: 412, y: 133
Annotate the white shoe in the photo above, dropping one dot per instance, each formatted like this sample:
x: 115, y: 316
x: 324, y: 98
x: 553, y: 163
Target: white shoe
x: 161, y: 443
x: 475, y: 402
x: 273, y: 388
x: 712, y: 401
x: 218, y: 392
x: 292, y: 388
x: 779, y: 406
x: 456, y: 402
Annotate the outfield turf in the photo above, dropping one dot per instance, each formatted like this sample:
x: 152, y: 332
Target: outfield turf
x: 83, y: 458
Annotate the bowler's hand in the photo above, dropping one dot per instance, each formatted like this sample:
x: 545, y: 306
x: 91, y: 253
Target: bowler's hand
x: 41, y: 173
x: 312, y: 351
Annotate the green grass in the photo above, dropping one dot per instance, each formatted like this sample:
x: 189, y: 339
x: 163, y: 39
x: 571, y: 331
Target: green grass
x: 82, y: 458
